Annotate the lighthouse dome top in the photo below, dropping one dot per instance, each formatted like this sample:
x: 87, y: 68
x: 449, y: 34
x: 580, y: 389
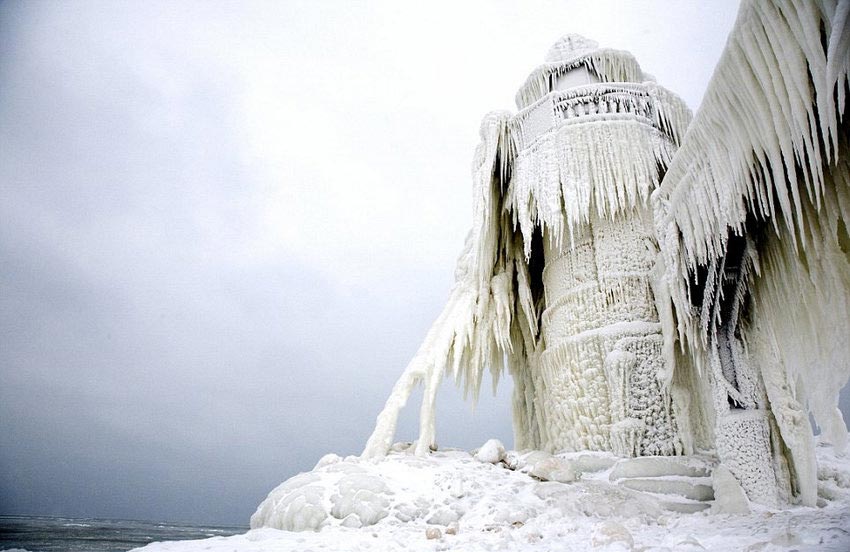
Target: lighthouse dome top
x: 570, y: 47
x: 573, y: 51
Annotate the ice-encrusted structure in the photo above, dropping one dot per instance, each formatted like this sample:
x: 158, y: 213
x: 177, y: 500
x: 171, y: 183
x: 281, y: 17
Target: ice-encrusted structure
x: 671, y: 298
x: 556, y: 278
x: 656, y: 285
x: 561, y: 278
x: 752, y: 218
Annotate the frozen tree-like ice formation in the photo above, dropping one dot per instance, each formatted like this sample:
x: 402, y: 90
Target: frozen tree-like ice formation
x: 658, y: 286
x: 752, y: 218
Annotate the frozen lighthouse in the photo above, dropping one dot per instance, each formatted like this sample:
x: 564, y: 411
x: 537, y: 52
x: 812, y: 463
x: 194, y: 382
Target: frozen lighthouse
x: 669, y: 294
x: 628, y: 266
x: 591, y: 141
x: 558, y: 279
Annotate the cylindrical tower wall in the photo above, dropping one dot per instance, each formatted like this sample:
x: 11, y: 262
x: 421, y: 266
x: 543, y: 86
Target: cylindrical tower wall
x: 588, y: 147
x: 602, y: 340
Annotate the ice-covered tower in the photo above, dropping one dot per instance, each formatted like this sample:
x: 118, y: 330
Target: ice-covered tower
x: 556, y: 280
x: 592, y: 139
x: 730, y: 338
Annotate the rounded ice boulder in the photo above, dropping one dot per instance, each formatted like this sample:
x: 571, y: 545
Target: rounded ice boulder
x: 491, y: 452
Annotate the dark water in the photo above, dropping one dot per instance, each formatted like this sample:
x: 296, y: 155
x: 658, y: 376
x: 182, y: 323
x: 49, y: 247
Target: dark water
x: 48, y: 534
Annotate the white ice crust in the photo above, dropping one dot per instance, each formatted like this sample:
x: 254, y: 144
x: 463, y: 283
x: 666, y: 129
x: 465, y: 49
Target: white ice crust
x: 658, y: 504
x: 662, y: 327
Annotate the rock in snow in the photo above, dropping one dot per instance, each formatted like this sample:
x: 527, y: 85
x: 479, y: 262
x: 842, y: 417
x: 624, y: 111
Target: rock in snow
x: 729, y: 497
x: 492, y: 452
x: 554, y: 469
x: 610, y: 532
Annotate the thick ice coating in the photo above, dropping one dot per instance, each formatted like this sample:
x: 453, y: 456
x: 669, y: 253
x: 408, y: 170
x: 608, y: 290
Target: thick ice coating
x: 661, y: 327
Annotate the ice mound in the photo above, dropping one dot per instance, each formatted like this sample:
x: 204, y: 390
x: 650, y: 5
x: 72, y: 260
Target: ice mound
x: 447, y: 489
x: 451, y: 500
x: 336, y: 490
x: 295, y: 505
x: 492, y: 452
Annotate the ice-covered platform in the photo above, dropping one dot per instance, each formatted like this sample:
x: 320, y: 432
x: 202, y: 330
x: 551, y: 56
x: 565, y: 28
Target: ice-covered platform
x: 493, y: 499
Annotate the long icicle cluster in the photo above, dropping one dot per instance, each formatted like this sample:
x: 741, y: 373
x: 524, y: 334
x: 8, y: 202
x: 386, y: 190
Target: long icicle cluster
x: 606, y: 64
x: 474, y: 329
x: 766, y: 158
x: 582, y: 170
x: 762, y: 141
x: 591, y: 151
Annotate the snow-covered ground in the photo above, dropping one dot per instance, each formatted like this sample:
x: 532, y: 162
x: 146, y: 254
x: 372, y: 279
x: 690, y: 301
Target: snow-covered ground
x: 497, y: 500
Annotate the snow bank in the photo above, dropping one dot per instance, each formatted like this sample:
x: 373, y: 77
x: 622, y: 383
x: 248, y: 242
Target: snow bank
x: 444, y: 488
x: 449, y: 500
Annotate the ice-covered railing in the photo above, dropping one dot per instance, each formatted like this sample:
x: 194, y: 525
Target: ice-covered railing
x: 653, y: 103
x: 765, y: 163
x: 566, y: 171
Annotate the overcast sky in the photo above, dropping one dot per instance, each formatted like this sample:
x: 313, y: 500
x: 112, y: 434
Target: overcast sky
x: 225, y: 228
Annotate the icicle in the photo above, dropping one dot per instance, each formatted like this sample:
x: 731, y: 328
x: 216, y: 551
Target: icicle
x: 771, y: 106
x: 765, y: 158
x: 606, y: 64
x: 812, y: 344
x: 600, y: 170
x: 473, y: 331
